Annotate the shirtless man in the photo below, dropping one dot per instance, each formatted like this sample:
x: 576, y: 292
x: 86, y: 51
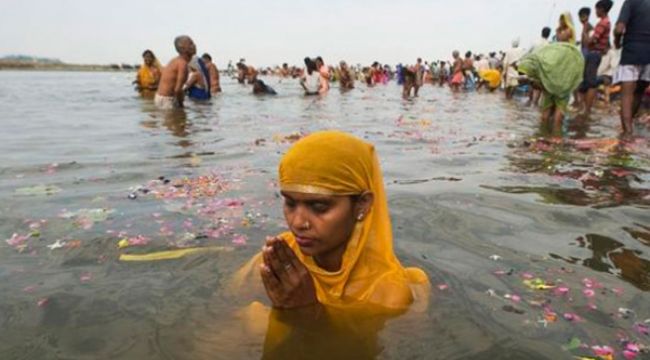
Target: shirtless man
x: 215, y: 86
x: 468, y: 70
x: 324, y: 83
x: 457, y: 78
x: 347, y: 80
x: 419, y: 76
x: 251, y: 74
x: 170, y: 93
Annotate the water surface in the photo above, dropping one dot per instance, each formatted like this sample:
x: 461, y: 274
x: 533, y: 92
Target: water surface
x: 482, y: 197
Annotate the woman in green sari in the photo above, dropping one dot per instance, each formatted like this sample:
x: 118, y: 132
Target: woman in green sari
x: 557, y: 69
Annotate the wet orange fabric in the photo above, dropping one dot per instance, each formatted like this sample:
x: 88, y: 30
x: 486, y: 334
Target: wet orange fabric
x: 148, y: 76
x: 336, y: 163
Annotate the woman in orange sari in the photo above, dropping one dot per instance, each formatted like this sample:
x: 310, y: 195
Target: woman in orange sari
x: 335, y: 269
x: 149, y: 73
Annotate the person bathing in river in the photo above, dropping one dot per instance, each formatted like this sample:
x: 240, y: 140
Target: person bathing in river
x: 510, y: 75
x: 556, y: 69
x: 148, y: 75
x: 324, y: 79
x: 346, y: 77
x: 215, y: 85
x: 419, y: 77
x: 457, y: 78
x: 408, y: 72
x: 198, y: 82
x: 334, y: 273
x: 260, y: 88
x: 310, y: 78
x: 170, y: 93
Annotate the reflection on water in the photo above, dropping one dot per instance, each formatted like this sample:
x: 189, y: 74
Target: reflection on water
x: 482, y: 196
x: 611, y: 256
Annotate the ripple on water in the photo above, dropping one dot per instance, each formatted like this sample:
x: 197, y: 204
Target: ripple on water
x: 471, y: 178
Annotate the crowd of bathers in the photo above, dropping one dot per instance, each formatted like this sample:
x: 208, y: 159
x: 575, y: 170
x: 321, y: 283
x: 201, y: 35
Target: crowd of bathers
x: 559, y: 69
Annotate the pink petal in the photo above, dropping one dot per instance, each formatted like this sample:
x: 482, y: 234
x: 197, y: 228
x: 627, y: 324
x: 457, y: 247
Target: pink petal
x: 527, y: 276
x: 588, y: 293
x: 561, y: 290
x: 630, y: 355
x: 443, y: 287
x: 239, y: 240
x: 602, y: 350
x: 571, y: 317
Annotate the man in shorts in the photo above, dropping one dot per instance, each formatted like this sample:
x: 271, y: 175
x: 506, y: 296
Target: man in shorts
x: 170, y: 93
x: 632, y: 33
x: 595, y: 46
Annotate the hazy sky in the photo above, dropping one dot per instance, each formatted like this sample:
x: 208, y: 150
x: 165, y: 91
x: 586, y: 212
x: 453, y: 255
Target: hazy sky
x: 270, y: 32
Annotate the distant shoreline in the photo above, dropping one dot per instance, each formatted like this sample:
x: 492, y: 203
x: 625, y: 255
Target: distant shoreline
x: 26, y: 66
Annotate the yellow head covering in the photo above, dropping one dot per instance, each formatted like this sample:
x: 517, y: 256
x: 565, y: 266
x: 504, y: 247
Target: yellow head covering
x: 568, y: 20
x: 336, y: 163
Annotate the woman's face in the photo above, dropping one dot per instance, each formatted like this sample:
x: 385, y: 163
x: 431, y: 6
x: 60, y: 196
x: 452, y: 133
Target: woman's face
x: 148, y: 59
x: 321, y: 224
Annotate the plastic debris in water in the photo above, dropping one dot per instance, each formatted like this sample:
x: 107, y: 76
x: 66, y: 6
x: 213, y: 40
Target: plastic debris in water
x: 527, y: 276
x: 589, y: 292
x: 604, y: 351
x: 133, y: 241
x: 57, y: 245
x: 17, y: 240
x: 85, y: 277
x: 573, y: 344
x: 513, y: 297
x: 239, y: 239
x: 538, y: 284
x: 642, y: 328
x: 550, y: 315
x: 72, y: 244
x: 626, y: 313
x: 504, y: 272
x: 631, y: 351
x: 571, y: 317
x: 172, y: 254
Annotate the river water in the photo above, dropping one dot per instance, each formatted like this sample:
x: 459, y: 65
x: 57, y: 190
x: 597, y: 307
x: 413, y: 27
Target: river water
x: 536, y: 242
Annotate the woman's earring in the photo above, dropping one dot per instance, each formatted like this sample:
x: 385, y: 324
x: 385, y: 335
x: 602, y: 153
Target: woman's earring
x: 360, y: 217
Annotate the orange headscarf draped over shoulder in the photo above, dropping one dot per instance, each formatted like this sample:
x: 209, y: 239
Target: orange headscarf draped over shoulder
x: 336, y: 163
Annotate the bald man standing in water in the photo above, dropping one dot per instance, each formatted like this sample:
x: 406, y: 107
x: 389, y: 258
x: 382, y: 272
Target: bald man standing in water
x: 170, y: 93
